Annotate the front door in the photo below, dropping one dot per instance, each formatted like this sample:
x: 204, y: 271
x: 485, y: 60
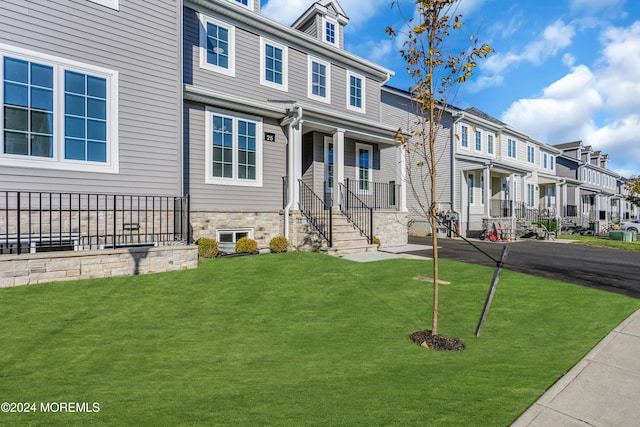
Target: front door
x: 328, y: 170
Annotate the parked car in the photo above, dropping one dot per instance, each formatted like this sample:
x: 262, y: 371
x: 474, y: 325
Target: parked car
x: 633, y: 225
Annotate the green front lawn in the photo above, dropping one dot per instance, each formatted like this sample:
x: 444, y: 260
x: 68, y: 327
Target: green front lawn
x: 601, y: 241
x: 292, y: 340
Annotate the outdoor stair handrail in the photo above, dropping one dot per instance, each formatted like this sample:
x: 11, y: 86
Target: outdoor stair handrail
x: 357, y: 212
x: 317, y: 212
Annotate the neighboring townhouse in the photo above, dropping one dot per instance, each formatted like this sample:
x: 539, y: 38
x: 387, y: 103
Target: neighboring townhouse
x: 593, y: 193
x: 488, y: 173
x: 279, y: 118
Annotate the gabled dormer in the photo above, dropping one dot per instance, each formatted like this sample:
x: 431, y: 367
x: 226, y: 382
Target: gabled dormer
x: 324, y: 20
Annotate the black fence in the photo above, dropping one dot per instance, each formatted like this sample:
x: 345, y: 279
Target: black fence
x: 357, y: 211
x: 318, y: 212
x: 37, y: 221
x: 501, y: 208
x: 376, y: 195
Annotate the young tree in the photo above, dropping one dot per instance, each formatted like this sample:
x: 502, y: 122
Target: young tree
x: 633, y: 186
x: 436, y: 74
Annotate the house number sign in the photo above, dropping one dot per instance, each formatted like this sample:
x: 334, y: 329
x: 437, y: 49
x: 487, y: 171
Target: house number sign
x: 269, y: 137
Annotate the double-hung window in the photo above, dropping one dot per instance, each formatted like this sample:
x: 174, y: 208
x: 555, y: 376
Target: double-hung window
x: 478, y: 140
x: 531, y: 192
x: 234, y: 149
x: 552, y: 162
x: 545, y: 160
x: 319, y: 77
x: 464, y: 137
x: 356, y: 91
x: 531, y: 154
x: 331, y: 31
x: 365, y: 163
x: 57, y: 114
x: 274, y: 65
x: 511, y: 148
x: 217, y: 45
x: 489, y: 144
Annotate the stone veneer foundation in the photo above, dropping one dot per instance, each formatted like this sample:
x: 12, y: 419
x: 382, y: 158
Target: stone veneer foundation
x: 28, y: 269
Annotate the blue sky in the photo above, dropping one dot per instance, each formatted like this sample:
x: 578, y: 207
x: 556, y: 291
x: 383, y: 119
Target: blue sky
x: 563, y: 70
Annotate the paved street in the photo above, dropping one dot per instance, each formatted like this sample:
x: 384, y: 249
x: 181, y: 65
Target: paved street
x: 612, y: 270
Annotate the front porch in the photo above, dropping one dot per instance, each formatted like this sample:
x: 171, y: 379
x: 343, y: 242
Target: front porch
x: 347, y: 184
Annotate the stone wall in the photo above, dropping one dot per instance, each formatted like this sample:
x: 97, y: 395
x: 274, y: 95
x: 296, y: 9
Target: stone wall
x: 391, y: 228
x: 44, y: 267
x: 265, y: 225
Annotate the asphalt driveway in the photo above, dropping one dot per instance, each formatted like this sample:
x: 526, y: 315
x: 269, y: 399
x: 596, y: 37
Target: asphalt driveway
x: 612, y: 270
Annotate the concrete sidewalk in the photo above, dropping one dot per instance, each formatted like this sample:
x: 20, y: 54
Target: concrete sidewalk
x: 603, y: 389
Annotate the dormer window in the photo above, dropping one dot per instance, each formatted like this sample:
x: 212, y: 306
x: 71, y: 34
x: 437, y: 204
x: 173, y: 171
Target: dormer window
x: 331, y: 31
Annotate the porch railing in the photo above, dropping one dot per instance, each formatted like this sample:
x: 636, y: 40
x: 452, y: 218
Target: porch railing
x: 357, y: 211
x: 501, y: 208
x: 318, y: 212
x: 38, y: 221
x: 376, y: 195
x: 527, y: 213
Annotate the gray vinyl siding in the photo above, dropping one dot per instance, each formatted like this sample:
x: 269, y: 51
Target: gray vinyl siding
x: 398, y: 111
x: 218, y: 197
x: 246, y: 83
x: 142, y: 44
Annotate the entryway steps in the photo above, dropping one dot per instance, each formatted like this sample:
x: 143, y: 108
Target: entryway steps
x: 347, y: 239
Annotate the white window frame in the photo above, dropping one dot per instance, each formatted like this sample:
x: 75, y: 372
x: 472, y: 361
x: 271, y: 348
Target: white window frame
x: 545, y: 160
x: 235, y: 181
x: 204, y: 20
x: 512, y: 146
x: 491, y: 137
x: 531, y: 195
x: 336, y: 25
x: 477, y: 138
x: 464, y: 137
x: 60, y: 65
x: 531, y: 154
x: 112, y: 4
x: 310, y: 94
x: 471, y: 188
x: 369, y: 148
x: 234, y: 232
x: 363, y: 88
x: 263, y: 65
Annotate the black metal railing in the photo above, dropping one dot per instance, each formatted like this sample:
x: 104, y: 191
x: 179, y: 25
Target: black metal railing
x: 376, y: 195
x: 357, y: 212
x: 318, y: 212
x: 38, y: 221
x: 501, y: 208
x: 524, y: 212
x: 571, y: 211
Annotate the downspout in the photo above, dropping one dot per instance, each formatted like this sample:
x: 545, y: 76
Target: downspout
x: 290, y: 165
x: 453, y: 168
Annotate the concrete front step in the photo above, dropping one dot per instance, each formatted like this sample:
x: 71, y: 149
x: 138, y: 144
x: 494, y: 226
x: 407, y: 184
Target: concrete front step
x: 358, y: 249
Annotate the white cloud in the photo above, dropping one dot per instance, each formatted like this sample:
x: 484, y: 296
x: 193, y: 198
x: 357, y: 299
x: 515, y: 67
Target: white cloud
x: 596, y: 7
x: 554, y: 38
x: 569, y: 60
x: 620, y: 140
x: 563, y: 113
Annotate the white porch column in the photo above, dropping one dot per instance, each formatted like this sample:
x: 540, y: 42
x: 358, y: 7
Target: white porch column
x: 338, y: 165
x: 556, y: 193
x: 296, y: 173
x: 402, y: 176
x: 486, y: 174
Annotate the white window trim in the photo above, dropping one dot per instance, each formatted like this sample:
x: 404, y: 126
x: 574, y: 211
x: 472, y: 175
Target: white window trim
x: 364, y: 91
x: 462, y: 128
x: 471, y: 189
x: 310, y: 95
x: 475, y: 140
x: 113, y: 4
x: 515, y: 148
x: 493, y: 136
x: 204, y: 19
x: 60, y: 65
x: 285, y: 65
x: 325, y: 20
x: 235, y: 181
x: 249, y: 232
x: 370, y: 169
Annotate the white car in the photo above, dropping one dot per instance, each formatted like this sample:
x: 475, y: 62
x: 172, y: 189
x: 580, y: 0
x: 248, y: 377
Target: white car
x: 633, y: 225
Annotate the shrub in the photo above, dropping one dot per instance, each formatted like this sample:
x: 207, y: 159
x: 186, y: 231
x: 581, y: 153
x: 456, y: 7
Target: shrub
x: 549, y: 225
x: 207, y: 248
x: 375, y: 241
x: 279, y: 244
x: 246, y: 245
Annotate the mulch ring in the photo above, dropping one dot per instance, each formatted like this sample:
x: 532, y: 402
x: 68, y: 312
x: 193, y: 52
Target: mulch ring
x: 436, y: 342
